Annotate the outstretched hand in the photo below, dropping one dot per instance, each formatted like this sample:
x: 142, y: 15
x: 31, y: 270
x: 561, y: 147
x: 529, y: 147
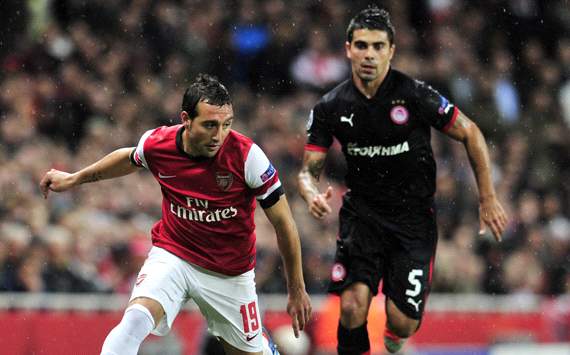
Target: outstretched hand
x: 319, y: 206
x: 57, y: 181
x: 299, y: 309
x: 492, y: 215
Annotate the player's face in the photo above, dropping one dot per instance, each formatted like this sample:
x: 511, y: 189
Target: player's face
x: 370, y: 53
x: 205, y: 134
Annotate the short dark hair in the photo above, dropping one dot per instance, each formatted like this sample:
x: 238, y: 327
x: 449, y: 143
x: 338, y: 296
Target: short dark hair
x: 205, y: 88
x: 371, y: 18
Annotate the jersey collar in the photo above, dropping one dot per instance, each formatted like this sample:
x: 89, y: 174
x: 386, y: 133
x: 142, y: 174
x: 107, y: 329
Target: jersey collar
x: 382, y: 90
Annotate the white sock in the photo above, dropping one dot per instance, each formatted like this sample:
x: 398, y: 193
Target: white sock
x: 127, y: 336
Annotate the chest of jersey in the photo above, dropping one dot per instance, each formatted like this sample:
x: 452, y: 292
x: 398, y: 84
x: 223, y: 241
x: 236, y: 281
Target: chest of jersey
x: 200, y: 184
x: 377, y: 128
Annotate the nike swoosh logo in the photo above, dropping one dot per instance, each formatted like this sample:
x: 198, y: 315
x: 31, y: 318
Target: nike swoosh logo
x: 165, y: 176
x: 248, y: 338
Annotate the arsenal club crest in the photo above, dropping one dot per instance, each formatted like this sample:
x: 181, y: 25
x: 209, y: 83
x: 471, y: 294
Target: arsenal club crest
x: 224, y: 180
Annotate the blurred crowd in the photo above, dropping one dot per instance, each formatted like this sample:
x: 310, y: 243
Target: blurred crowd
x: 82, y: 78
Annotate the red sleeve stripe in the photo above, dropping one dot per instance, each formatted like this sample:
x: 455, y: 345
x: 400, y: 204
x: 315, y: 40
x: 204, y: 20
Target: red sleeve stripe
x: 453, y: 118
x: 316, y: 148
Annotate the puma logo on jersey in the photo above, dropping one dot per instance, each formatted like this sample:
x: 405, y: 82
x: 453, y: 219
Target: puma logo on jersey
x: 347, y: 119
x: 414, y: 303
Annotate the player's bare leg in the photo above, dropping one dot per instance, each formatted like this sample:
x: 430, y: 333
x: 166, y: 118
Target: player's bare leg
x: 352, y: 329
x: 139, y: 319
x: 354, y: 305
x: 399, y: 327
x: 153, y: 306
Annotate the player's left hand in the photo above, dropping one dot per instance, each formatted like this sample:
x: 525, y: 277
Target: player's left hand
x: 492, y: 215
x: 56, y: 180
x: 319, y: 206
x: 299, y: 309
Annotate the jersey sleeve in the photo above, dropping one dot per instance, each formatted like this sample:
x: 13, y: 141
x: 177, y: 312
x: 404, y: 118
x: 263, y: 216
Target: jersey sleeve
x: 261, y: 177
x: 138, y: 155
x: 434, y: 108
x: 319, y: 136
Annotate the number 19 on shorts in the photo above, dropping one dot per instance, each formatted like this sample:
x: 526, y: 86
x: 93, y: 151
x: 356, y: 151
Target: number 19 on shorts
x: 250, y: 317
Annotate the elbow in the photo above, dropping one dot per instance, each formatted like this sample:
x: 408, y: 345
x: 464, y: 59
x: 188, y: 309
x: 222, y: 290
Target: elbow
x: 472, y: 134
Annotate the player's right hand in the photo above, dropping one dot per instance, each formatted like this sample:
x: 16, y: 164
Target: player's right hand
x: 319, y: 206
x: 493, y: 215
x: 57, y: 181
x: 299, y: 309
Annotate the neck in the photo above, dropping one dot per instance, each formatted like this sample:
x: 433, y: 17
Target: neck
x: 369, y: 88
x: 186, y: 142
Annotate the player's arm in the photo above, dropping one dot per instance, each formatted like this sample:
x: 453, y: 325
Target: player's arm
x: 299, y: 304
x: 491, y: 213
x: 115, y: 164
x: 308, y: 179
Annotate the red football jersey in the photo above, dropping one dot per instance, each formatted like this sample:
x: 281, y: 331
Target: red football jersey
x: 208, y: 203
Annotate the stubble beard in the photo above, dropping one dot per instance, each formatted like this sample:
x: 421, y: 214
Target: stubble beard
x: 367, y: 78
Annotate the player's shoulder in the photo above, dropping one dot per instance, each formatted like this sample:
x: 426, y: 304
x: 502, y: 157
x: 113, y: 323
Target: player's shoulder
x: 414, y: 85
x: 413, y: 88
x: 239, y: 138
x: 237, y: 141
x: 403, y: 81
x: 161, y: 138
x: 341, y: 91
x: 162, y: 133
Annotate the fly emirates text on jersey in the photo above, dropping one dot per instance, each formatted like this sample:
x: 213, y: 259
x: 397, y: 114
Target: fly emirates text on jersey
x: 197, y: 210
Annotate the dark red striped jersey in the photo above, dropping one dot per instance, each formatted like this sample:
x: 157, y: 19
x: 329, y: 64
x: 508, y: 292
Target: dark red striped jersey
x: 208, y: 203
x: 385, y: 139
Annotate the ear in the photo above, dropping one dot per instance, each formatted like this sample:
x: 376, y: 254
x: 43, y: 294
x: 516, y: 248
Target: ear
x: 347, y: 47
x: 392, y: 51
x: 184, y: 117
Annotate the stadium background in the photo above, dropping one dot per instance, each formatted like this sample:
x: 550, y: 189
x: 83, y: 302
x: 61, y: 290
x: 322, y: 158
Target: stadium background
x: 81, y: 78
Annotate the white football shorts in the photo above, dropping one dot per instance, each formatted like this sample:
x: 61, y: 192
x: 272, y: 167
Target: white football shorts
x: 229, y: 303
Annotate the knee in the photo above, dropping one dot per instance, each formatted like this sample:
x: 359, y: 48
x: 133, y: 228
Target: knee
x: 353, y: 312
x: 136, y: 316
x: 404, y: 328
x: 153, y: 307
x: 399, y: 323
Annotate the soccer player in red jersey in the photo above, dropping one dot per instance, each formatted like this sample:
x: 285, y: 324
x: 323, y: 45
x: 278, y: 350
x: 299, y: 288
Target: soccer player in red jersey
x: 204, y: 244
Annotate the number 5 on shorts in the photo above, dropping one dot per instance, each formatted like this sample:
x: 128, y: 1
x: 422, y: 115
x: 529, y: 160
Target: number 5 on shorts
x: 249, y: 317
x: 413, y: 279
